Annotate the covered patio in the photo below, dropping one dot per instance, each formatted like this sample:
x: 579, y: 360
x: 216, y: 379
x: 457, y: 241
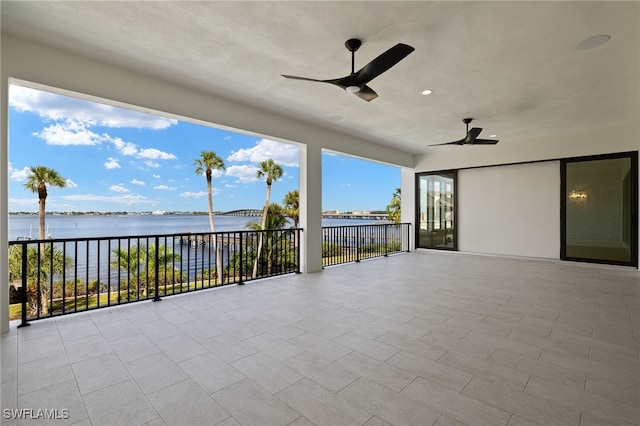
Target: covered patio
x: 420, y: 338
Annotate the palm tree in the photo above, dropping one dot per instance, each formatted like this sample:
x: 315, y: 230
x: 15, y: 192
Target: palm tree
x: 42, y: 267
x: 272, y: 171
x: 42, y: 176
x: 276, y: 219
x: 140, y: 263
x: 292, y: 209
x: 292, y: 206
x: 208, y: 162
x: 394, y: 208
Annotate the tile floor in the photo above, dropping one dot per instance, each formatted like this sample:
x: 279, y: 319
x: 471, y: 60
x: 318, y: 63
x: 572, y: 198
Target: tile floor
x: 415, y: 339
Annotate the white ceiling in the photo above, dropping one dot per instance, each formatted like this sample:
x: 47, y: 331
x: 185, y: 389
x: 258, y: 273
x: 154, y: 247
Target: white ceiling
x: 513, y: 66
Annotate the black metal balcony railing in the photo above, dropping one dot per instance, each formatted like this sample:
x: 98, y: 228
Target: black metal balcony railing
x: 61, y: 276
x: 342, y: 244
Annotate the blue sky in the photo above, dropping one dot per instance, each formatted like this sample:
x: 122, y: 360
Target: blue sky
x: 116, y: 159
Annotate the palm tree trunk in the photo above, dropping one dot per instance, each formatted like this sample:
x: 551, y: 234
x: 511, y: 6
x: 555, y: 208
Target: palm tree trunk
x: 216, y: 246
x: 42, y: 200
x: 262, y: 226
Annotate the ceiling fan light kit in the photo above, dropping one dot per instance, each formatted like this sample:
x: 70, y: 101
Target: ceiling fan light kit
x: 356, y: 82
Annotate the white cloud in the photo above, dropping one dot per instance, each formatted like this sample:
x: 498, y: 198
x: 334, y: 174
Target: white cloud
x: 57, y: 107
x: 137, y: 182
x: 244, y: 173
x: 129, y: 199
x: 125, y: 148
x: 155, y: 154
x: 72, y: 120
x: 282, y: 153
x: 230, y: 186
x: 19, y: 175
x: 119, y: 188
x: 190, y: 194
x: 111, y: 163
x: 71, y: 184
x: 22, y: 203
x: 165, y: 188
x: 156, y: 176
x: 69, y: 132
x: 152, y: 165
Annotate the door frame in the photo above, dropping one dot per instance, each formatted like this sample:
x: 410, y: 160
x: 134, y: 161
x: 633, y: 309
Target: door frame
x: 453, y: 172
x: 633, y: 156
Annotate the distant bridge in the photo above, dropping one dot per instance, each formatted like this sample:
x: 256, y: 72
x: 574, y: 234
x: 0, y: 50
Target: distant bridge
x: 242, y: 212
x: 372, y: 216
x: 254, y: 212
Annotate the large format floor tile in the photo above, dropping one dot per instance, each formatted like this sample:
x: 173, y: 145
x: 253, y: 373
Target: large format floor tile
x: 426, y: 338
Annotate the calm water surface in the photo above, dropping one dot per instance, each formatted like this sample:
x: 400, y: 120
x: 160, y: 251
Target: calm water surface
x: 87, y: 226
x: 92, y: 260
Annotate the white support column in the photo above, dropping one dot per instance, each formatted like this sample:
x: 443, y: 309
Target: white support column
x: 4, y: 206
x: 311, y: 208
x: 408, y: 205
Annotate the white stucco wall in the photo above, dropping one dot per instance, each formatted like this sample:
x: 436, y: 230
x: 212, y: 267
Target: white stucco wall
x: 510, y: 210
x: 515, y: 209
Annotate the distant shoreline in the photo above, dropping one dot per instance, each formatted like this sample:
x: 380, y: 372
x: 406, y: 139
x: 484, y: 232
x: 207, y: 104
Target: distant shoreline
x: 176, y: 213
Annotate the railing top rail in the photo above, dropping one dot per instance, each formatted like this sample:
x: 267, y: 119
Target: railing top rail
x: 133, y: 237
x: 365, y: 225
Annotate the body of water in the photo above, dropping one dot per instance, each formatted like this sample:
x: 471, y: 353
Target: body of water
x: 91, y: 260
x: 88, y: 226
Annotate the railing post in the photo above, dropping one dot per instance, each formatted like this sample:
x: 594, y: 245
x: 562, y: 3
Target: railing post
x: 296, y: 237
x: 358, y: 245
x: 241, y: 261
x: 23, y: 289
x: 386, y: 241
x: 156, y: 271
x: 408, y: 238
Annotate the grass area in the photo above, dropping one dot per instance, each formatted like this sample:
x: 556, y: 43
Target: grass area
x: 93, y: 301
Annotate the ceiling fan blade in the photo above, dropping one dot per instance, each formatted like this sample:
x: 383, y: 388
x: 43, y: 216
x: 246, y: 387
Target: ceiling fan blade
x: 460, y: 142
x: 485, y: 141
x: 382, y: 63
x: 472, y: 135
x: 295, y: 77
x: 366, y: 93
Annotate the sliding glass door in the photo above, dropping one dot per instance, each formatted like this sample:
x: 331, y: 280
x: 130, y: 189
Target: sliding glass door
x: 436, y: 210
x: 599, y: 209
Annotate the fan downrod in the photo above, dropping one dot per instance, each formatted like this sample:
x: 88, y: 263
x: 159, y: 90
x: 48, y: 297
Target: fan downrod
x: 467, y: 121
x: 353, y: 44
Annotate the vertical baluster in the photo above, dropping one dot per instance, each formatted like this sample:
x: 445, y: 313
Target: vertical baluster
x: 109, y: 272
x: 64, y: 276
x: 156, y: 297
x: 240, y: 281
x: 23, y: 288
x: 97, y: 274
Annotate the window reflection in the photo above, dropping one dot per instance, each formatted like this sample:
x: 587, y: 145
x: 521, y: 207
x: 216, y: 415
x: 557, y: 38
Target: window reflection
x: 436, y: 213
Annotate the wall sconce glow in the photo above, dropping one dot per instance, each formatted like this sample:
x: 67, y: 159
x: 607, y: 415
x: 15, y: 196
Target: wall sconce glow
x: 578, y: 195
x: 427, y: 92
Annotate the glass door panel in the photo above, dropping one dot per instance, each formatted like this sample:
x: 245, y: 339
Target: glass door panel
x: 436, y: 211
x: 599, y: 209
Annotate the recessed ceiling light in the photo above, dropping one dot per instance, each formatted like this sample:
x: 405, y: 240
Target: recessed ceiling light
x: 593, y: 42
x: 493, y: 136
x: 427, y: 92
x: 335, y: 118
